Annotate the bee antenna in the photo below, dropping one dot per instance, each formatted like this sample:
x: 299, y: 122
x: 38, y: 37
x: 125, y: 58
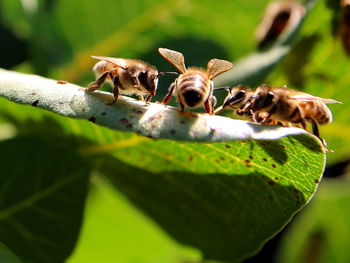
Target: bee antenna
x: 167, y: 72
x: 224, y: 87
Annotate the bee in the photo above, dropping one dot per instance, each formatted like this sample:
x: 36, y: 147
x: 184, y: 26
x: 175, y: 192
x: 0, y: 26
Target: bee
x: 127, y: 76
x: 344, y: 22
x: 194, y: 86
x: 279, y: 17
x: 280, y: 105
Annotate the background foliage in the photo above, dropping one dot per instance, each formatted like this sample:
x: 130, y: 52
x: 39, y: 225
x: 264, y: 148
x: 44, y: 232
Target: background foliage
x: 58, y: 160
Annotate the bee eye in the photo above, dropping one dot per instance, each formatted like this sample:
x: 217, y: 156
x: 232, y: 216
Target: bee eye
x: 240, y: 95
x: 143, y: 78
x: 236, y: 98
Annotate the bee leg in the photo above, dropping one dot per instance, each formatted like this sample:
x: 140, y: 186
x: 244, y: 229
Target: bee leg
x: 208, y: 107
x: 273, y: 110
x: 316, y: 132
x: 182, y: 106
x: 97, y: 84
x: 148, y: 98
x: 303, y: 123
x: 252, y: 115
x: 208, y: 104
x: 170, y: 94
x: 115, y: 90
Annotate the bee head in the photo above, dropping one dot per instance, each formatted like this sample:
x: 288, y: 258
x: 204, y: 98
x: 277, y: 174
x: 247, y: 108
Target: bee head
x: 149, y: 80
x: 236, y: 98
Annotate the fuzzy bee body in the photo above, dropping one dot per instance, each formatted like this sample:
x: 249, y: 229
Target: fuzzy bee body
x: 268, y: 105
x: 127, y: 76
x: 194, y: 86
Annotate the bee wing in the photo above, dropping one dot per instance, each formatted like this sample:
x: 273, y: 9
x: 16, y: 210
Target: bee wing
x: 115, y: 61
x: 217, y: 66
x: 174, y: 57
x: 313, y: 98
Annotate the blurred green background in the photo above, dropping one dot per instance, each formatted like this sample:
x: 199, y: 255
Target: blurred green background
x: 55, y: 38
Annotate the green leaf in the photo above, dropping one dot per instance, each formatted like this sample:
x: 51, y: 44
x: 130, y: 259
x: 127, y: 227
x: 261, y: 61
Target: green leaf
x: 208, y: 196
x: 42, y: 197
x: 7, y: 256
x: 225, y: 199
x: 321, y: 233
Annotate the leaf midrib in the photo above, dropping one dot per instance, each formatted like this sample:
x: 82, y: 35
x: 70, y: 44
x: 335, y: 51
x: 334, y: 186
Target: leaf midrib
x: 38, y: 196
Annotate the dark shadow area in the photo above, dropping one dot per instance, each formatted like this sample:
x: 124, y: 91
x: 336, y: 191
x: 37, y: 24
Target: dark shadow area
x: 13, y: 50
x: 310, y: 144
x: 43, y: 185
x: 340, y: 168
x: 274, y: 149
x: 225, y: 216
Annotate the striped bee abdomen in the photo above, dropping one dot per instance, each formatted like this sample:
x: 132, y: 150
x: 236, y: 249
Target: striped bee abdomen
x: 193, y: 87
x: 317, y: 111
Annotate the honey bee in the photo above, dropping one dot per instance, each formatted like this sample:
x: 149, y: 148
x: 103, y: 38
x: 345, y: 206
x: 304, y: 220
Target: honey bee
x: 279, y: 17
x: 194, y: 86
x: 127, y: 76
x: 280, y: 105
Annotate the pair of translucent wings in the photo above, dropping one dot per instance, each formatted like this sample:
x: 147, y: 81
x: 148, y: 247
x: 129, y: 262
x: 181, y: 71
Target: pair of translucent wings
x: 215, y: 66
x: 308, y: 97
x: 115, y: 61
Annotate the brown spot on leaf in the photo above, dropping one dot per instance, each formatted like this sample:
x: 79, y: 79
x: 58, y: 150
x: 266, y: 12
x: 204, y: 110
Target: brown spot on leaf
x: 248, y: 166
x: 264, y: 159
x: 92, y: 119
x: 270, y: 182
x: 277, y: 179
x: 317, y: 181
x: 124, y: 121
x: 264, y: 143
x: 190, y: 158
x: 137, y: 111
x: 251, y: 157
x: 273, y: 165
x: 61, y: 82
x: 35, y: 103
x: 227, y: 146
x: 247, y: 161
